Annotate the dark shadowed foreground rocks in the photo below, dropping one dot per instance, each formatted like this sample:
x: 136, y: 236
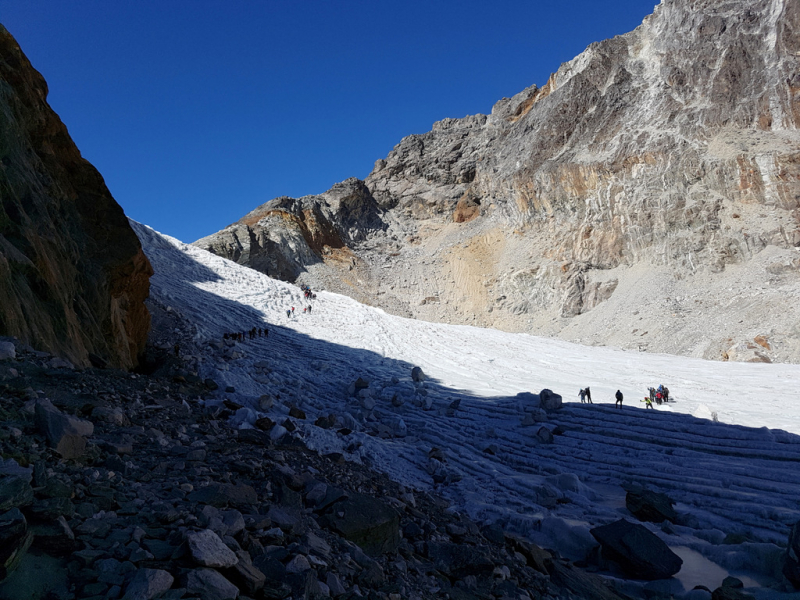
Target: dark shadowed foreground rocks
x: 165, y: 500
x: 73, y: 277
x: 791, y: 567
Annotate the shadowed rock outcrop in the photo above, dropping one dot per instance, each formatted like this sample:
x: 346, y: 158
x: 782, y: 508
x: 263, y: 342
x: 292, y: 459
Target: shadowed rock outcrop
x: 73, y: 277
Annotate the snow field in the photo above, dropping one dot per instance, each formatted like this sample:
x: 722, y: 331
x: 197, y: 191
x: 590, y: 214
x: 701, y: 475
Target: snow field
x: 733, y: 481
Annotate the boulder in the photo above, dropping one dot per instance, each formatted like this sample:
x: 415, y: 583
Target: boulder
x: 147, y: 584
x: 15, y: 490
x: 581, y: 583
x: 647, y: 505
x: 417, y: 375
x: 208, y: 584
x: 731, y: 589
x: 638, y: 552
x: 358, y: 385
x: 549, y: 400
x: 368, y: 522
x: 224, y: 494
x: 55, y: 538
x: 7, y: 351
x: 14, y: 540
x: 544, y: 435
x: 459, y: 560
x: 106, y: 414
x: 208, y: 550
x: 246, y: 577
x: 65, y: 433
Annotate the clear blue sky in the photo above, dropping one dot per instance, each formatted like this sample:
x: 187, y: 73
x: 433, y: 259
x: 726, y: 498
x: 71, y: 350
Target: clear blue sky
x: 197, y: 111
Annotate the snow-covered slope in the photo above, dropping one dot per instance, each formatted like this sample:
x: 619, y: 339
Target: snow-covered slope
x: 736, y: 478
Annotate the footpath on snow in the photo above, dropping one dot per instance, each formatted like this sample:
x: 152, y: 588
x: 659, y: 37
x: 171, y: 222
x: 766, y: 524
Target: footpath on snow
x: 470, y: 423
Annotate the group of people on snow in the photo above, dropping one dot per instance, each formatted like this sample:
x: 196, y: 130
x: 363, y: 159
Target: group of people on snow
x: 308, y: 295
x: 657, y: 395
x: 290, y: 311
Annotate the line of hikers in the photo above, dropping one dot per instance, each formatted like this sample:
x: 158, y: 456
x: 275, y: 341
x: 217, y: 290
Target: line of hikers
x: 240, y: 336
x: 656, y: 395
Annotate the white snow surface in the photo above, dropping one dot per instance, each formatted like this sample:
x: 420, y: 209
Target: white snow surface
x: 736, y: 477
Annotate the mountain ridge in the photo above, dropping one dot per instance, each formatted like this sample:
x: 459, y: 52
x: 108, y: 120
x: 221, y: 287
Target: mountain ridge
x: 658, y: 163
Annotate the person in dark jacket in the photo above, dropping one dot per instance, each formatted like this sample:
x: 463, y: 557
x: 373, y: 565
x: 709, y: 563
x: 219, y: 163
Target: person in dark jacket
x: 588, y: 395
x: 618, y: 396
x: 582, y: 394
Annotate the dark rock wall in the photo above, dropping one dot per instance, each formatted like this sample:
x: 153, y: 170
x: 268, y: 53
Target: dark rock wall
x: 73, y: 277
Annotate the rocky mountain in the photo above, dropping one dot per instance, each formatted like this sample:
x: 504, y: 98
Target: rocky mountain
x: 73, y: 277
x: 647, y: 196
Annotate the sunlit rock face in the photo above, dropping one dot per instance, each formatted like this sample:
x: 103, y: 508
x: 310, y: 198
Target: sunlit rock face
x: 73, y: 277
x: 647, y: 196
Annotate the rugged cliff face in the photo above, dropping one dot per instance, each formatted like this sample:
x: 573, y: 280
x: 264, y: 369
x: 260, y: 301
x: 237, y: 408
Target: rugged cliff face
x: 647, y: 196
x: 286, y: 237
x: 73, y: 277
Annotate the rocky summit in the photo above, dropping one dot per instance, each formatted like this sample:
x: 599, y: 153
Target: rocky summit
x: 647, y: 196
x: 73, y: 277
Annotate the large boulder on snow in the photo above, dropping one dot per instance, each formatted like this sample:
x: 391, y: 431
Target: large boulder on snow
x: 647, y: 505
x: 638, y: 552
x: 549, y: 400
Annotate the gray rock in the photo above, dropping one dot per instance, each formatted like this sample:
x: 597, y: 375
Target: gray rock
x: 544, y: 435
x: 7, y: 351
x: 246, y: 577
x: 299, y: 564
x: 417, y: 375
x: 224, y: 494
x: 288, y: 521
x: 638, y: 552
x: 317, y: 545
x: 335, y: 584
x: 55, y: 538
x: 647, y: 505
x: 148, y: 584
x: 208, y: 550
x: 14, y: 540
x: 208, y: 584
x: 368, y: 522
x: 460, y: 560
x: 65, y: 433
x: 15, y: 490
x: 115, y: 416
x: 550, y: 400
